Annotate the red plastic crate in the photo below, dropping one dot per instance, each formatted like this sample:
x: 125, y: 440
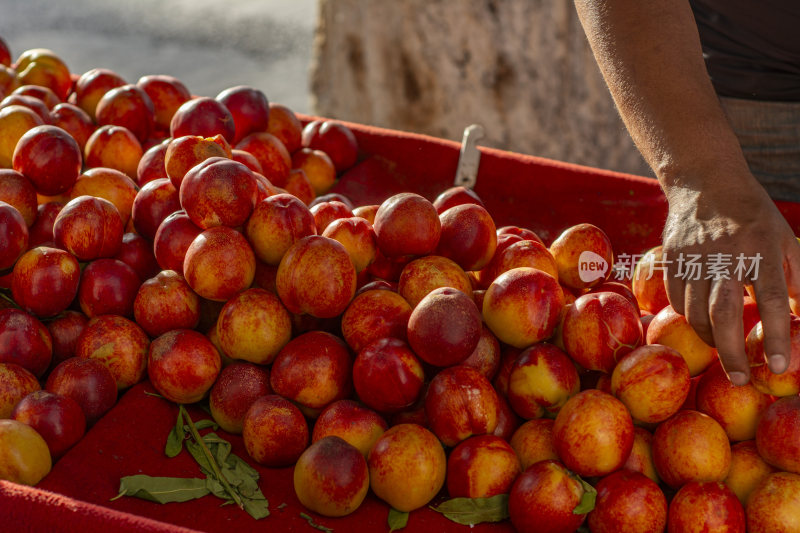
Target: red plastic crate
x: 544, y: 195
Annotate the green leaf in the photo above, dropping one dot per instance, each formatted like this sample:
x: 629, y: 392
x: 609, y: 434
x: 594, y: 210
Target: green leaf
x: 237, y: 463
x: 219, y: 448
x: 216, y: 488
x: 204, y: 406
x: 397, y: 519
x: 228, y: 476
x: 587, y: 500
x: 470, y: 511
x: 205, y: 424
x: 197, y: 452
x: 176, y: 437
x: 550, y: 414
x: 162, y: 489
x: 258, y: 508
x: 314, y: 524
x: 243, y: 479
x: 8, y: 299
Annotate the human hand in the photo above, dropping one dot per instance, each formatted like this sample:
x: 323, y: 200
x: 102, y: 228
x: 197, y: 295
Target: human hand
x: 733, y: 221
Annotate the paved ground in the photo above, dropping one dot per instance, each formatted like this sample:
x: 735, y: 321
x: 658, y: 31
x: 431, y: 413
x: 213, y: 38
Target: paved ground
x: 208, y: 44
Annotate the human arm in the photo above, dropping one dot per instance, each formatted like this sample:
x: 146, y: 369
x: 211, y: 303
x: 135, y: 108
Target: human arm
x: 650, y: 56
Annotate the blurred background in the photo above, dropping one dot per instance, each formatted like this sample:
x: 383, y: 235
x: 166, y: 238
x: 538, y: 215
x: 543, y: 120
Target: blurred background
x: 208, y: 44
x: 521, y: 68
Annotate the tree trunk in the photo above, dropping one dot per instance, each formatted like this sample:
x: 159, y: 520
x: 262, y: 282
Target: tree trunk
x: 521, y: 68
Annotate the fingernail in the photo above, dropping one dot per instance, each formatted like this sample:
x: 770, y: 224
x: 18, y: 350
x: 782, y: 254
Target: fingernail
x: 777, y: 363
x: 738, y: 378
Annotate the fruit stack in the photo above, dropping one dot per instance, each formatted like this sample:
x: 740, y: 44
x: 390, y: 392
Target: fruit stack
x: 409, y: 347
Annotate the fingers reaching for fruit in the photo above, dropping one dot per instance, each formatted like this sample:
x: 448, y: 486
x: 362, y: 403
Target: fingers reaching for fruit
x: 713, y: 247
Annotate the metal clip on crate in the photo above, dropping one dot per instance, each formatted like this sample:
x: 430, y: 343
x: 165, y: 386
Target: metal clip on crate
x: 469, y: 158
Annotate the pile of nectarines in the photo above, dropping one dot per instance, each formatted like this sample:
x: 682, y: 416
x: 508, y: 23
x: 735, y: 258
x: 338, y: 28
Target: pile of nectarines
x: 406, y: 347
